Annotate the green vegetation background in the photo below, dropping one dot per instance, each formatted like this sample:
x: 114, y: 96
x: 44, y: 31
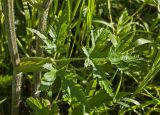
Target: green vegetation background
x: 100, y: 57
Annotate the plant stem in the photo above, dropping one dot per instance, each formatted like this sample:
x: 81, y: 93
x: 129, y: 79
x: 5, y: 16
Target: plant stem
x: 11, y: 35
x: 42, y: 28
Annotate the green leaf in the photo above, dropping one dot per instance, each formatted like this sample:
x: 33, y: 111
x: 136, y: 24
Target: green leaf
x: 43, y: 37
x: 1, y: 101
x: 142, y: 41
x: 104, y: 83
x: 35, y: 104
x: 104, y: 23
x: 124, y: 18
x: 113, y: 39
x: 124, y: 61
x: 100, y: 98
x: 100, y: 38
x: 35, y: 5
x: 131, y: 101
x: 48, y: 66
x: 121, y: 95
x: 5, y: 81
x: 79, y: 109
x: 40, y: 107
x: 91, y: 88
x: 30, y: 67
x: 124, y: 24
x: 123, y: 104
x: 61, y: 37
x: 32, y: 64
x: 48, y: 78
x: 72, y: 91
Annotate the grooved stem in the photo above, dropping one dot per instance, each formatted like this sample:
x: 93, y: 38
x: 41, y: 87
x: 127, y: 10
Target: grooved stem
x: 39, y: 51
x: 11, y: 35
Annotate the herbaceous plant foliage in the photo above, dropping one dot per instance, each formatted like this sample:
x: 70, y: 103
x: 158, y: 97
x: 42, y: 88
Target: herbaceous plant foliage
x: 79, y: 57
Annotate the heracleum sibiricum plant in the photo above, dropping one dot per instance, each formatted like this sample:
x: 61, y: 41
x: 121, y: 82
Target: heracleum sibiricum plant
x: 11, y: 35
x: 99, y: 57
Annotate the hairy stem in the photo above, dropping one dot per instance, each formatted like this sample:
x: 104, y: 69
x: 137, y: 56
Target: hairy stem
x: 11, y: 35
x: 39, y: 51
